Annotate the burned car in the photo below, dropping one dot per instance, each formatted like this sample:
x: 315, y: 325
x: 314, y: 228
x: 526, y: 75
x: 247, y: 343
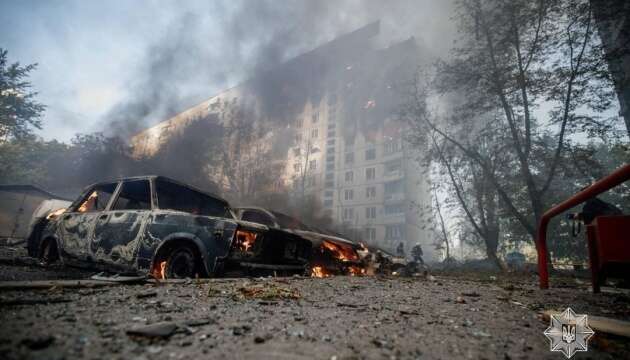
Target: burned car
x: 332, y: 254
x: 157, y: 226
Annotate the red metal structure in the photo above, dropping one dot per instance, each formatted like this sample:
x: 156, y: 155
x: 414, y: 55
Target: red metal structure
x: 601, y: 249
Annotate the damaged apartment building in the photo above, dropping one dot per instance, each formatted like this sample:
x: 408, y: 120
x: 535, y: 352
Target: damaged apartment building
x: 328, y: 119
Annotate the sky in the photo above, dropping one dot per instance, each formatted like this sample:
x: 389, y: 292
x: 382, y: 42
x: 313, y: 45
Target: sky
x: 102, y: 65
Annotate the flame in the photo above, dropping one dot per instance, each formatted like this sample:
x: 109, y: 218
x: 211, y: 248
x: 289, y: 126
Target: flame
x: 88, y: 204
x: 319, y: 272
x: 356, y: 271
x: 340, y: 252
x: 159, y: 271
x: 245, y: 239
x: 55, y: 213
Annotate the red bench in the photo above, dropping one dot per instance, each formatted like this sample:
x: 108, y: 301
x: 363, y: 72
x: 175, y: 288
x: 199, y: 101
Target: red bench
x: 608, y: 248
x: 608, y: 238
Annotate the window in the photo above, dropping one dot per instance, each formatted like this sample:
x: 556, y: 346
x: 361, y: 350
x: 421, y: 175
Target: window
x: 393, y: 167
x: 349, y: 176
x: 315, y: 117
x: 257, y: 217
x: 394, y: 209
x: 310, y: 181
x: 370, y: 212
x: 330, y: 142
x: 181, y: 198
x: 298, y: 123
x: 328, y: 193
x: 330, y: 166
x: 394, y: 232
x: 330, y: 176
x: 297, y: 167
x: 329, y: 184
x: 349, y: 194
x: 393, y: 187
x: 314, y: 133
x: 331, y: 126
x: 370, y: 233
x: 312, y: 165
x: 135, y: 195
x: 328, y: 203
x: 97, y: 198
x: 298, y: 138
x: 349, y: 159
x: 296, y: 151
x: 331, y: 133
x: 348, y: 213
x: 370, y: 173
x: 370, y: 192
x: 370, y: 154
x: 392, y: 146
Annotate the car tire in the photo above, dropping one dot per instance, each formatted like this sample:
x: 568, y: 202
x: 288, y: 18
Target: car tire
x: 181, y: 263
x: 48, y: 253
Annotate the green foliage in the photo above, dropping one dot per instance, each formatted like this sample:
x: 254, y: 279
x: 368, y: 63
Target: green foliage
x: 19, y: 112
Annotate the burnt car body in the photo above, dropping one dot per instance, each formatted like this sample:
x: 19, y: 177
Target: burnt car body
x: 155, y: 225
x: 332, y: 254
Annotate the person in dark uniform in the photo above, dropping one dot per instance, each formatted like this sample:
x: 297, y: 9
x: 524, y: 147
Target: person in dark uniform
x: 416, y: 253
x: 400, y: 250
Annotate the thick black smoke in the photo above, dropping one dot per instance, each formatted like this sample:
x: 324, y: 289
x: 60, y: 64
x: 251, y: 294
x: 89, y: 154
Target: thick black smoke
x: 193, y: 62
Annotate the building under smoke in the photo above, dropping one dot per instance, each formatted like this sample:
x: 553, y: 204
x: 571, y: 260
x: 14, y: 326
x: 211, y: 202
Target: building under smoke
x: 327, y: 120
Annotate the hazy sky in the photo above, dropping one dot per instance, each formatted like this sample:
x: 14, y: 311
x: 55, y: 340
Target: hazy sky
x: 106, y: 61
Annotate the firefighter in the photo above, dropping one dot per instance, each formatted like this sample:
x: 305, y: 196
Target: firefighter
x: 416, y: 254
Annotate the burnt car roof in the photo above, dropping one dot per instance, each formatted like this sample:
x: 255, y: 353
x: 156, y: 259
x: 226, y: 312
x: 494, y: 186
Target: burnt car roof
x: 160, y: 177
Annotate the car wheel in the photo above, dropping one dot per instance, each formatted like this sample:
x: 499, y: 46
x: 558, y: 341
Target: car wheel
x: 48, y: 253
x: 181, y: 264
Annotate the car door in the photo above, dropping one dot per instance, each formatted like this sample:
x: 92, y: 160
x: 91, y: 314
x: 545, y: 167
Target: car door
x: 76, y: 225
x: 118, y: 231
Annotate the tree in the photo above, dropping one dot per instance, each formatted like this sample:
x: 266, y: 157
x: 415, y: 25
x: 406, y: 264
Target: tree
x: 19, y: 112
x: 517, y: 57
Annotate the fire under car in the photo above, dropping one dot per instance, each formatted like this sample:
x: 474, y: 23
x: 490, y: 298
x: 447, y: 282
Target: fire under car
x: 332, y: 255
x: 153, y: 225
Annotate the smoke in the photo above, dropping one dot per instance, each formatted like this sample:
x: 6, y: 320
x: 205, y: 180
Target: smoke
x: 207, y: 48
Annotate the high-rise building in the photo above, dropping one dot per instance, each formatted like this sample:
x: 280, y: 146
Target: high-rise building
x: 329, y: 117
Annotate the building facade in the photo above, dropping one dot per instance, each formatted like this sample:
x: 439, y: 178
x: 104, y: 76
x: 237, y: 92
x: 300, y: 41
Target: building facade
x: 330, y: 117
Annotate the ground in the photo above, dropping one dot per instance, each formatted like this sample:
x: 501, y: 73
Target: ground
x: 444, y: 316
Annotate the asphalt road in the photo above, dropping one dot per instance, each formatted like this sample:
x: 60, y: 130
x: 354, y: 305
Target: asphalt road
x: 449, y: 316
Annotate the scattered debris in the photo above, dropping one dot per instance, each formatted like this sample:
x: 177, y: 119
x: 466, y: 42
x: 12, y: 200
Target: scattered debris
x: 460, y: 300
x: 158, y: 330
x: 46, y: 301
x: 119, y: 278
x: 146, y: 294
x: 266, y: 291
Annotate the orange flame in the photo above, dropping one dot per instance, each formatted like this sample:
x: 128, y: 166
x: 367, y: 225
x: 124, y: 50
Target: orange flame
x: 159, y: 271
x: 319, y: 272
x: 343, y: 253
x: 245, y: 239
x: 89, y: 203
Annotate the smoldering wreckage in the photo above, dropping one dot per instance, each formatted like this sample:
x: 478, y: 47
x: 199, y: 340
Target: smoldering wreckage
x: 156, y: 227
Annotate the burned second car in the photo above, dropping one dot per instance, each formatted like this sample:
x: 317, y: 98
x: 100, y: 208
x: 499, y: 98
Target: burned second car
x: 158, y: 226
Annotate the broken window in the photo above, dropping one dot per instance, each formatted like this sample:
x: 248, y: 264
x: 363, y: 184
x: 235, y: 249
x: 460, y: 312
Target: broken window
x: 176, y: 197
x: 257, y: 217
x: 393, y: 187
x: 394, y: 209
x: 370, y: 173
x: 135, y: 195
x: 393, y: 167
x: 349, y: 158
x: 348, y: 213
x: 370, y: 192
x: 296, y: 151
x: 370, y: 154
x: 97, y: 199
x: 394, y: 232
x: 370, y: 233
x: 392, y: 146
